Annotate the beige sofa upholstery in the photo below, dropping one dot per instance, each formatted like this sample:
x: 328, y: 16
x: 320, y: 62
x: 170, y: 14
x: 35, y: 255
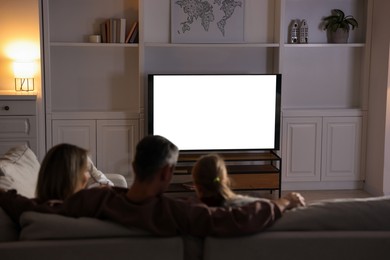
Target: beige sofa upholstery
x: 134, y: 248
x: 334, y: 229
x: 337, y: 229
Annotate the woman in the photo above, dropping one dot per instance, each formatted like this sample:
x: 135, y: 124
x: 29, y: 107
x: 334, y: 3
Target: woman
x: 212, y: 186
x: 65, y: 170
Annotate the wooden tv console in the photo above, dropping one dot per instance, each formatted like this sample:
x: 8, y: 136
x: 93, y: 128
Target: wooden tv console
x: 260, y: 170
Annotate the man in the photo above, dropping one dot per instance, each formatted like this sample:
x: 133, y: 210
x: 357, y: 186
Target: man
x: 145, y: 206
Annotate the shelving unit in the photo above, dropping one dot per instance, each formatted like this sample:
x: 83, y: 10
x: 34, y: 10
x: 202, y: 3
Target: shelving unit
x: 92, y: 90
x: 320, y: 80
x: 89, y: 81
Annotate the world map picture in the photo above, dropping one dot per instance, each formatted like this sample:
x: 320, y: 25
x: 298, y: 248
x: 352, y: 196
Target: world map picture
x: 207, y: 21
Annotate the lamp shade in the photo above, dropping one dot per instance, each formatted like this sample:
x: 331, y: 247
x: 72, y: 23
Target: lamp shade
x: 24, y: 69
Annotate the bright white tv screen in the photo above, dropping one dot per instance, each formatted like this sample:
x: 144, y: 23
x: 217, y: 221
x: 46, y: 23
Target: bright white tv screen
x: 215, y: 112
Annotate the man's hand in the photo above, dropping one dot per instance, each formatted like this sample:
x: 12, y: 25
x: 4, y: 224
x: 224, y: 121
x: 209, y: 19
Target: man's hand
x: 295, y: 200
x: 290, y: 201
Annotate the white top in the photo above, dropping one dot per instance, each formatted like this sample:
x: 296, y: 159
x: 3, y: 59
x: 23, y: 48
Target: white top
x: 97, y: 177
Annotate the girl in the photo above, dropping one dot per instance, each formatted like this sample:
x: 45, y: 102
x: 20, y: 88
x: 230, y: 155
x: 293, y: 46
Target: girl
x: 212, y: 183
x: 212, y: 186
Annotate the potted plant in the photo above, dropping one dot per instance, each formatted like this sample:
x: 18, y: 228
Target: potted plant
x: 338, y: 25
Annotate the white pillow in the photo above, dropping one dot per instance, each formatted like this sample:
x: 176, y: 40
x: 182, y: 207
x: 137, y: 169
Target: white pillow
x: 19, y: 169
x: 38, y: 226
x: 339, y: 214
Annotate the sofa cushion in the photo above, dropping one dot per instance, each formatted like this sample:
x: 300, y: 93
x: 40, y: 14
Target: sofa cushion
x: 38, y: 226
x: 317, y: 245
x: 338, y: 214
x: 19, y: 169
x: 8, y: 229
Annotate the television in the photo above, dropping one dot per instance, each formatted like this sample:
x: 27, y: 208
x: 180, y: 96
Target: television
x: 218, y: 112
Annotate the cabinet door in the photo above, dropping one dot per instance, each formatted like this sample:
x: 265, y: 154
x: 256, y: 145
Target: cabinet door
x: 301, y: 149
x: 78, y: 132
x: 341, y: 148
x: 17, y: 130
x: 116, y: 141
x: 6, y: 145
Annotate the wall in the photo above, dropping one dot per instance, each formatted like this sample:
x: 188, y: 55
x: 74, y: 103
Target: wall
x: 19, y: 21
x: 19, y: 27
x: 20, y: 35
x: 386, y: 176
x: 378, y: 141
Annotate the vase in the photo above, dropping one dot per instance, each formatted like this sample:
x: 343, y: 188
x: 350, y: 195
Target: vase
x: 339, y: 36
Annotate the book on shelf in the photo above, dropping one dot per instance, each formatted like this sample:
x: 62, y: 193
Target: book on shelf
x: 134, y: 37
x: 108, y: 30
x: 113, y: 30
x: 121, y: 30
x: 133, y: 32
x: 103, y: 32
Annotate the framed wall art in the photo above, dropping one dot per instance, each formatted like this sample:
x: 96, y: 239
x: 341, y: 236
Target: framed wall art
x: 207, y: 21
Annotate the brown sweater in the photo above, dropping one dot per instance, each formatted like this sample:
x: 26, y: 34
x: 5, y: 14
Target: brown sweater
x: 162, y: 216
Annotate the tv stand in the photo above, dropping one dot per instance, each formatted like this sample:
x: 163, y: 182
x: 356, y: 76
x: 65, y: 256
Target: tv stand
x: 260, y: 170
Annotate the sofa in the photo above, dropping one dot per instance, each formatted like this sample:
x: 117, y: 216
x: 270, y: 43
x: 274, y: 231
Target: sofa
x: 331, y: 229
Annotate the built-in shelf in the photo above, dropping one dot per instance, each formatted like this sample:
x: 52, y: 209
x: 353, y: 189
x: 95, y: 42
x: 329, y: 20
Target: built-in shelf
x: 213, y: 45
x: 87, y: 44
x: 107, y: 81
x: 325, y: 45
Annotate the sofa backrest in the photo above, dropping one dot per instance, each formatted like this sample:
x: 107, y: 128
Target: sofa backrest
x: 8, y: 229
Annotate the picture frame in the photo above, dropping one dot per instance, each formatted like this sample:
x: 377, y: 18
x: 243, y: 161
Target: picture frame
x: 208, y: 21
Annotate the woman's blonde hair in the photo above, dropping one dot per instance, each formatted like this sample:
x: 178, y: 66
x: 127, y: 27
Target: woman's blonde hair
x: 61, y: 172
x: 211, y: 178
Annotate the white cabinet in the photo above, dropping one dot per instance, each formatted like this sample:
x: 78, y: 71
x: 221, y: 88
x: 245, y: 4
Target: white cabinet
x: 100, y: 81
x: 18, y: 122
x: 341, y: 148
x: 111, y: 143
x: 317, y: 77
x: 77, y: 132
x: 301, y: 149
x: 116, y: 142
x: 92, y: 90
x: 318, y: 150
x: 324, y: 99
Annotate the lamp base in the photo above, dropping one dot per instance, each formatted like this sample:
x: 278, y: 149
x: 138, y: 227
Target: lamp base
x: 24, y: 84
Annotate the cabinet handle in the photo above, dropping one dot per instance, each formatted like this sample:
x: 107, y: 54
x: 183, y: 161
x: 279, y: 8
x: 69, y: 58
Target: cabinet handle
x: 6, y: 108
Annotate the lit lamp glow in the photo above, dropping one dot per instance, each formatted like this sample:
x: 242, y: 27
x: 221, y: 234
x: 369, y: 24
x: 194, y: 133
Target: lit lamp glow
x: 24, y: 75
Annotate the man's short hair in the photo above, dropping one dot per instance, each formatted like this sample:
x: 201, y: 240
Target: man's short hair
x: 153, y: 152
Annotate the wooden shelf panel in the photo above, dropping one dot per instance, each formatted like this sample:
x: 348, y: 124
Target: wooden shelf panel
x: 236, y: 156
x: 239, y: 182
x: 235, y: 169
x: 255, y: 181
